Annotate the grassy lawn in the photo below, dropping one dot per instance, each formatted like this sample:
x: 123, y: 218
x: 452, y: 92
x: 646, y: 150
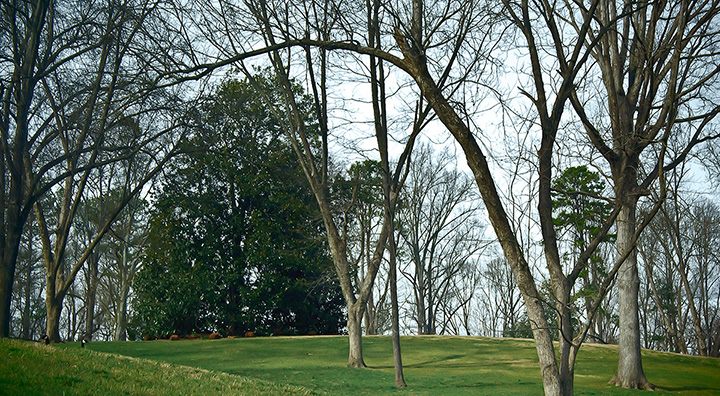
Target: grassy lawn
x: 28, y: 368
x: 433, y: 365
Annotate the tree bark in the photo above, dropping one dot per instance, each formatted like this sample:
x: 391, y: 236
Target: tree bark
x: 354, y: 325
x: 91, y: 297
x: 121, y: 313
x: 27, y: 293
x: 397, y: 355
x: 121, y: 326
x: 630, y: 372
x: 53, y: 308
x: 715, y: 351
x: 7, y: 277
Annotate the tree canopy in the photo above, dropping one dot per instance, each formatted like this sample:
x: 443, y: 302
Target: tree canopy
x: 234, y: 245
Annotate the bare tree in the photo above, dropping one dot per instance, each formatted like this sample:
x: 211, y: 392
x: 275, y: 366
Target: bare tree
x: 503, y: 300
x: 444, y: 48
x: 681, y: 269
x: 440, y: 232
x: 314, y: 162
x: 458, y: 27
x: 361, y: 217
x: 659, y: 75
x: 66, y: 84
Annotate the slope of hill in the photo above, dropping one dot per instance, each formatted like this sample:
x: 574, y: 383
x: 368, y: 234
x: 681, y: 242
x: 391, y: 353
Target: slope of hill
x: 28, y: 368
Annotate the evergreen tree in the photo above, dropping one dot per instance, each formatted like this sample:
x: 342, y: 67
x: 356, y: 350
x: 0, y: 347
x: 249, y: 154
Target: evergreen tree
x: 234, y: 245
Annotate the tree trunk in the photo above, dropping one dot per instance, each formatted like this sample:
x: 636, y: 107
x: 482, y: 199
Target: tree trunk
x: 630, y: 372
x: 695, y: 316
x: 121, y: 325
x: 91, y: 298
x: 354, y: 325
x: 13, y: 217
x: 715, y: 351
x: 370, y: 322
x: 397, y: 356
x: 27, y: 291
x: 420, y: 310
x: 25, y: 334
x: 54, y: 310
x: 7, y: 277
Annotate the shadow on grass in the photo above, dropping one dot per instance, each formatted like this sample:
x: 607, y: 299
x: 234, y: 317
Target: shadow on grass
x: 443, y: 362
x: 429, y: 363
x: 689, y: 388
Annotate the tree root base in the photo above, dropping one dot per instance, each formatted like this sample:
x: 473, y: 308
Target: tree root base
x: 642, y: 384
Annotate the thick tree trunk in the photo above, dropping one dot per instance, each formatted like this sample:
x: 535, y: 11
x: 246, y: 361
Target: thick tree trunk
x: 13, y: 218
x: 630, y: 372
x: 552, y: 383
x: 354, y: 324
x: 54, y: 310
x: 90, y: 315
x: 7, y: 277
x: 715, y: 351
x: 121, y: 325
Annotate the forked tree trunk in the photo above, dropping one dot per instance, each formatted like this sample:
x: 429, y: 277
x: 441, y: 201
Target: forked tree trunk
x: 630, y: 372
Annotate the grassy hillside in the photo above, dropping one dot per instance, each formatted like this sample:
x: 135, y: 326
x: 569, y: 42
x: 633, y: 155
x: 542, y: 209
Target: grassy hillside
x: 28, y: 368
x: 433, y: 365
x: 316, y: 365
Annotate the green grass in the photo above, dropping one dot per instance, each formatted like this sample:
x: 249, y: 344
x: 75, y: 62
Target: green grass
x: 433, y: 365
x: 28, y: 368
x: 297, y: 365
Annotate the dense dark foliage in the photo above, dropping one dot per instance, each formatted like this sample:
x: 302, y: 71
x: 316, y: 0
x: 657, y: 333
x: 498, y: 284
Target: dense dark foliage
x: 234, y: 243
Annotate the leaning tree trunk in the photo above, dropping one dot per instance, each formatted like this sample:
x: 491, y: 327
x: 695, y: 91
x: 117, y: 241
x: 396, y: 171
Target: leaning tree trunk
x: 630, y: 372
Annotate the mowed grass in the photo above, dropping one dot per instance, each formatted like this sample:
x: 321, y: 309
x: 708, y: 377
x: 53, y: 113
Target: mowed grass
x: 433, y: 365
x: 28, y: 368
